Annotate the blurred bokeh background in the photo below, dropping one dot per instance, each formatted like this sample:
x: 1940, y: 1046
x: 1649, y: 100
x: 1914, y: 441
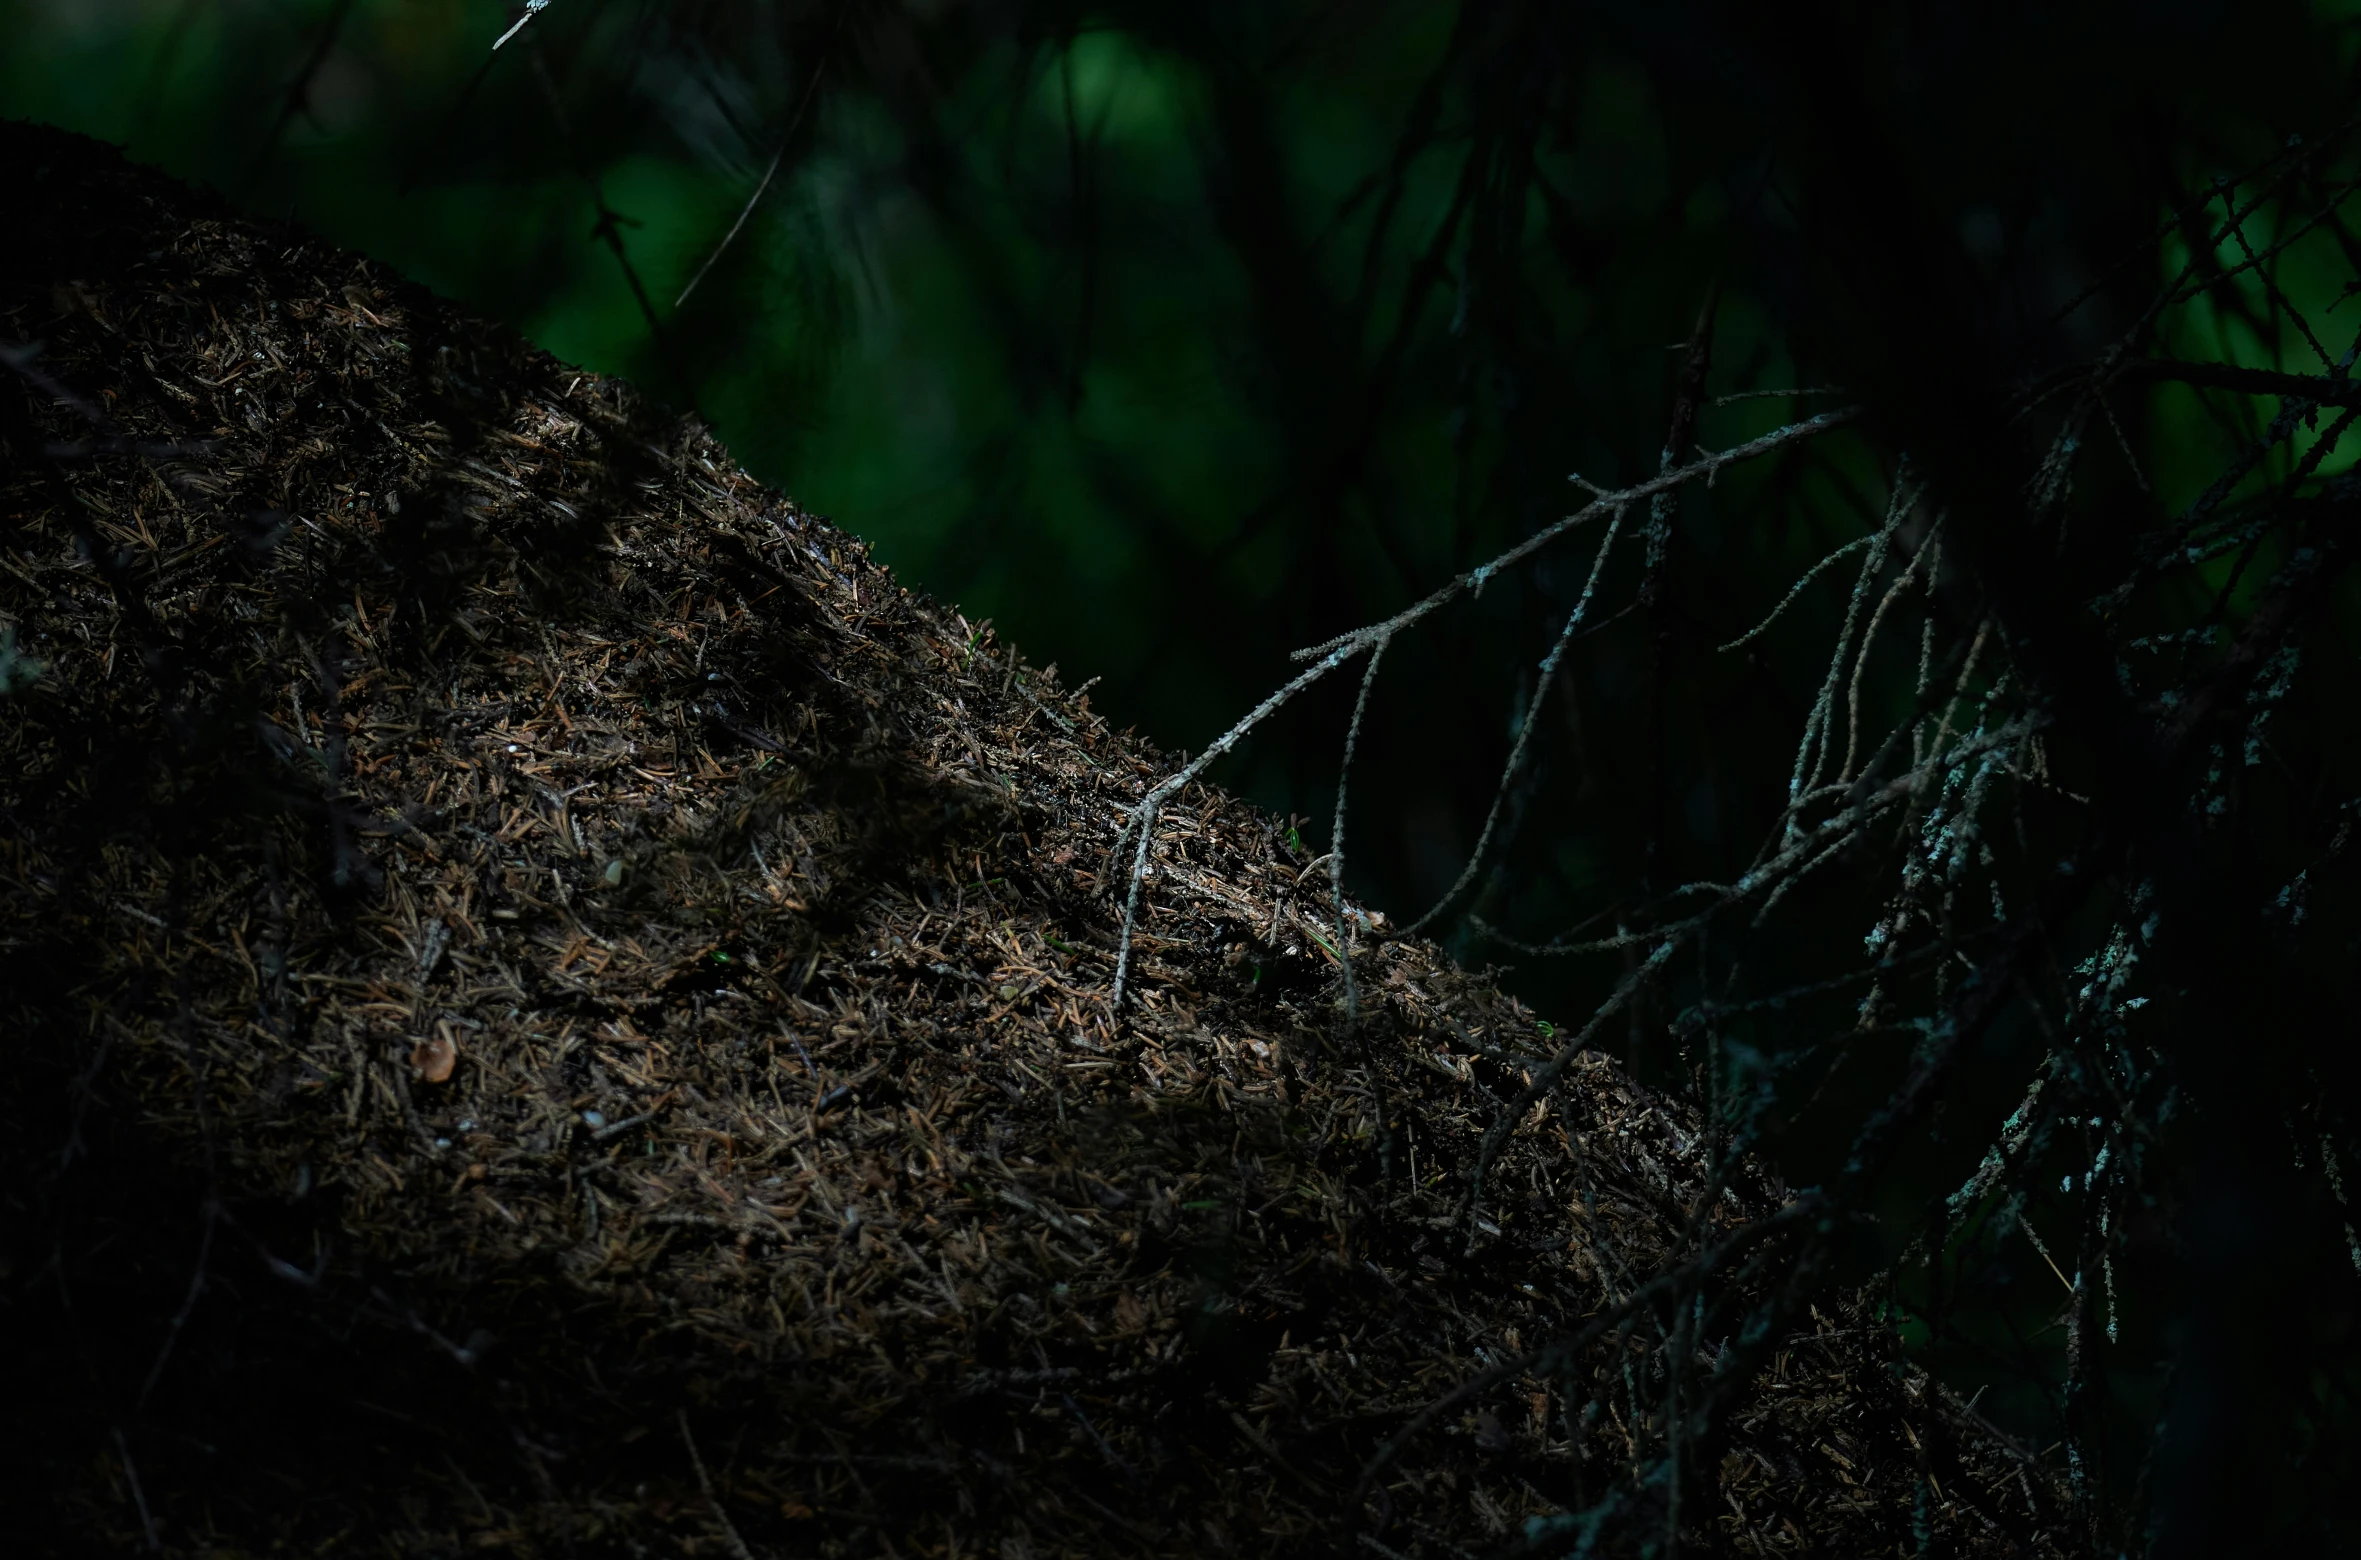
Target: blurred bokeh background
x: 1172, y: 336
x: 1168, y: 337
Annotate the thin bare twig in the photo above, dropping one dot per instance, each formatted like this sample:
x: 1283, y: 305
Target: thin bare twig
x: 721, y: 1518
x: 786, y: 139
x: 1139, y: 829
x: 532, y: 9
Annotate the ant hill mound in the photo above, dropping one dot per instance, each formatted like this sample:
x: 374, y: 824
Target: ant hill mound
x: 555, y: 1009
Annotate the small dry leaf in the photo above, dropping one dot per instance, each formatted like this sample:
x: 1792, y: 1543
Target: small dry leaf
x: 435, y: 1056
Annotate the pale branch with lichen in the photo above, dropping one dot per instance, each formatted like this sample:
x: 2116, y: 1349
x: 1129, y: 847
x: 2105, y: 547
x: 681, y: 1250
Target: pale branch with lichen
x: 1328, y: 656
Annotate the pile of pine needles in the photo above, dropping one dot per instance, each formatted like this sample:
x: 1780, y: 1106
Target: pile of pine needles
x: 556, y: 1009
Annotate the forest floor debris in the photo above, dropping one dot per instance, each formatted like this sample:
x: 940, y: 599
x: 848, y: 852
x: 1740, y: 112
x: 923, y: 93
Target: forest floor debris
x: 559, y: 1010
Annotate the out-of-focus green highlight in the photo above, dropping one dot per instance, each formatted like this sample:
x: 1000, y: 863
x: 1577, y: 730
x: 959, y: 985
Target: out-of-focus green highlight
x: 2246, y: 315
x: 1047, y: 388
x: 873, y: 377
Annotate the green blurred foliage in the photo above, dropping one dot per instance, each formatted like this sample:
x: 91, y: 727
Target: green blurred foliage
x: 1168, y: 338
x: 1132, y: 341
x: 1173, y: 337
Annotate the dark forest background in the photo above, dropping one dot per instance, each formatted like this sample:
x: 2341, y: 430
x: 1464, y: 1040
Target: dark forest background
x: 1172, y: 337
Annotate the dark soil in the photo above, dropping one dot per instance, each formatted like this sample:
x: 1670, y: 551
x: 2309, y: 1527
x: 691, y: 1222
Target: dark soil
x: 553, y: 1008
